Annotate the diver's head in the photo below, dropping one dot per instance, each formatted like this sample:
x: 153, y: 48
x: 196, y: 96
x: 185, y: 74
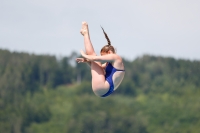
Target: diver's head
x: 107, y: 49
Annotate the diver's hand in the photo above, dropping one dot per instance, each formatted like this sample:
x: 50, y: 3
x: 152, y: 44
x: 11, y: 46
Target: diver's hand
x: 81, y: 60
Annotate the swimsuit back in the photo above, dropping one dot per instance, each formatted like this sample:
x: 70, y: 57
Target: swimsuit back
x: 110, y: 70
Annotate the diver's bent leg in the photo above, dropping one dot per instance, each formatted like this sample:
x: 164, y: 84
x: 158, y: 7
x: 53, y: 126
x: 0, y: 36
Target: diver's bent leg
x: 99, y: 84
x: 87, y: 42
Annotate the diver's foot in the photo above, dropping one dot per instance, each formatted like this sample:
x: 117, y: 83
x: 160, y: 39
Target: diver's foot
x: 84, y: 29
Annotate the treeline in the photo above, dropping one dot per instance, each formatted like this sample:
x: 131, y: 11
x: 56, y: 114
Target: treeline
x: 40, y: 93
x: 22, y: 73
x: 159, y: 74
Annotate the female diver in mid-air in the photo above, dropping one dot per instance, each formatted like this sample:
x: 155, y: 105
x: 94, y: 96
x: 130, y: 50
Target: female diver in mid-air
x: 105, y: 77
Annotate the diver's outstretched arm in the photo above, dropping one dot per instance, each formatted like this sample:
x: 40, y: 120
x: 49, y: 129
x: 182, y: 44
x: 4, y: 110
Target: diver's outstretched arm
x: 83, y: 60
x: 107, y: 58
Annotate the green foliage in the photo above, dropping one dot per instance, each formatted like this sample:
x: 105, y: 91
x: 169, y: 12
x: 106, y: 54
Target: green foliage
x: 39, y: 93
x: 75, y: 112
x: 127, y: 88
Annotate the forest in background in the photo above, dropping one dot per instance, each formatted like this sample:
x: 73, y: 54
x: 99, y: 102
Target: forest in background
x: 41, y: 93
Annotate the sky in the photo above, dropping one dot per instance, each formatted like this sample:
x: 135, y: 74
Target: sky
x: 168, y: 28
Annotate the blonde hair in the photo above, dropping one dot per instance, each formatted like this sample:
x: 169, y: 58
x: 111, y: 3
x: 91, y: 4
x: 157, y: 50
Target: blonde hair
x: 107, y: 47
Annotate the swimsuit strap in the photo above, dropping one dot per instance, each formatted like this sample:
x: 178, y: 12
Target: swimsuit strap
x: 115, y: 68
x: 120, y: 70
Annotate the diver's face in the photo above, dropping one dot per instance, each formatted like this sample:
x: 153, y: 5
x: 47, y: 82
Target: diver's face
x: 103, y: 53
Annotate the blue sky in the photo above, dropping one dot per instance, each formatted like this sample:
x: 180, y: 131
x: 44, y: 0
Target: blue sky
x: 135, y: 27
